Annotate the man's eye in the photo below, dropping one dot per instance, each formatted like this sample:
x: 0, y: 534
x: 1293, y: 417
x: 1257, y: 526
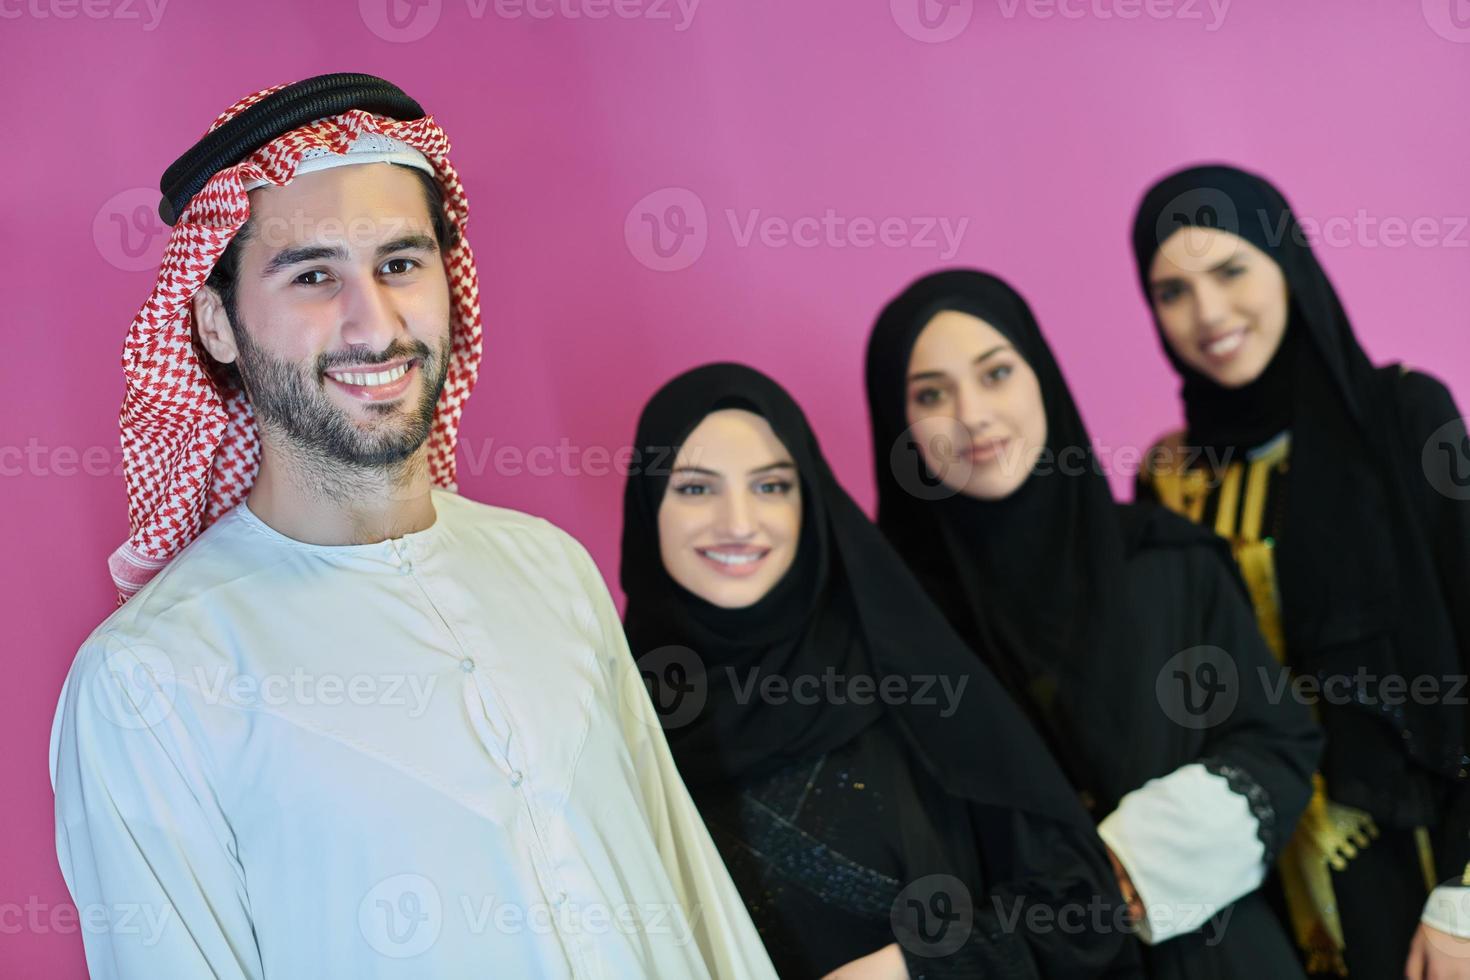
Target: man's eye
x: 305, y: 276
x: 396, y: 267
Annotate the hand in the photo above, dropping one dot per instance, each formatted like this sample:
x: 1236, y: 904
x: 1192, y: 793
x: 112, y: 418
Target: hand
x: 886, y: 964
x: 1125, y: 885
x: 1435, y: 955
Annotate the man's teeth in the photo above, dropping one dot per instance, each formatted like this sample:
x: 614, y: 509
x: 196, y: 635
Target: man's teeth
x: 371, y: 380
x: 1225, y: 344
x: 725, y: 558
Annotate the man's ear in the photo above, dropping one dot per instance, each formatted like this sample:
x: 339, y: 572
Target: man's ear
x: 213, y: 324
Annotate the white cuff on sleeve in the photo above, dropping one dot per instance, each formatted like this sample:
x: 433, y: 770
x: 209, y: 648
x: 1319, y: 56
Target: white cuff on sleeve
x: 1190, y: 844
x: 1448, y: 910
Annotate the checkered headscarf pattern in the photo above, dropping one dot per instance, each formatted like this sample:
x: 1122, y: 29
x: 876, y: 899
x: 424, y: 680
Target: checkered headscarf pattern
x: 190, y: 449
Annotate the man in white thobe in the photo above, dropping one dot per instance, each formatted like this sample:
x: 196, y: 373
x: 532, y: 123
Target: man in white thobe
x: 356, y: 726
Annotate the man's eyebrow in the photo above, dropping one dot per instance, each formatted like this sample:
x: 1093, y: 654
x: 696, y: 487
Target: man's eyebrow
x: 295, y: 255
x: 409, y: 243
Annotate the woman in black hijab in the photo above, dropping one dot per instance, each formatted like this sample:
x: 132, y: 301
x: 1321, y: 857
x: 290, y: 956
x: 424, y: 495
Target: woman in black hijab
x: 1123, y: 631
x: 875, y: 795
x: 1343, y: 491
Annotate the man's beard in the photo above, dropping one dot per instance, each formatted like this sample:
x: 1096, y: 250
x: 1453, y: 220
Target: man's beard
x: 292, y: 399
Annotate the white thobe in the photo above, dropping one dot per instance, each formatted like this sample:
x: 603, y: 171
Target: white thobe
x: 427, y: 757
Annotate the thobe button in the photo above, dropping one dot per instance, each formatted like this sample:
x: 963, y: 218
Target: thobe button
x: 559, y: 899
x: 516, y: 777
x: 466, y: 665
x: 405, y: 568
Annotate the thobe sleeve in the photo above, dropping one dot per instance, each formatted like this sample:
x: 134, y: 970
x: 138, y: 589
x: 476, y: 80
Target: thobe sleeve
x: 144, y: 848
x: 723, y: 929
x: 1437, y: 444
x: 1195, y: 840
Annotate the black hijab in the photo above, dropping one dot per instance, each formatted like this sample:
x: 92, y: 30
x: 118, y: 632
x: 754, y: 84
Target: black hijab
x: 1035, y: 579
x: 1355, y: 569
x: 847, y: 603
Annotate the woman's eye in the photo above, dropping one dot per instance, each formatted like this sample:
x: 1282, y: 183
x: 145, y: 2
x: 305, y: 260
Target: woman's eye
x: 302, y: 279
x: 692, y: 490
x: 1167, y: 294
x: 778, y: 487
x: 998, y: 374
x: 395, y: 267
x: 1232, y: 272
x: 927, y: 397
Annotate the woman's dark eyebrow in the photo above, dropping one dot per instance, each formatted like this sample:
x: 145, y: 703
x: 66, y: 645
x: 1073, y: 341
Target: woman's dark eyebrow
x: 927, y: 375
x: 1171, y: 280
x: 701, y: 471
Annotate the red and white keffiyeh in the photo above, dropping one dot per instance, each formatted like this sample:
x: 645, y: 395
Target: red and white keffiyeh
x: 190, y: 450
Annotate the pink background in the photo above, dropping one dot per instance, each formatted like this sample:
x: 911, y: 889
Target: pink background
x: 1040, y: 130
